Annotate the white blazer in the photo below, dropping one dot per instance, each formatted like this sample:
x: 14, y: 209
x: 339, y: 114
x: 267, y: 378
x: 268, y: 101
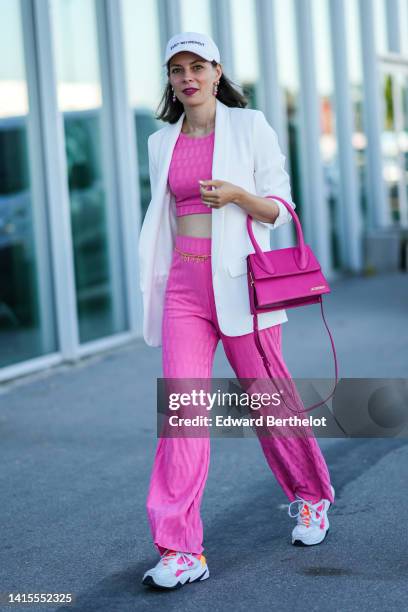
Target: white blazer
x: 246, y: 153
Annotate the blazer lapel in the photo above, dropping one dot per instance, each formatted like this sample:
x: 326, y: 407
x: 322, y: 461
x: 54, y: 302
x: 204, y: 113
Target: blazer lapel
x: 166, y: 151
x: 220, y: 171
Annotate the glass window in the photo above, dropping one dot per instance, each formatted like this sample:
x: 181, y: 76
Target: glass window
x: 27, y: 315
x: 145, y: 79
x: 94, y: 213
x: 246, y: 61
x: 196, y: 16
x: 328, y: 138
x: 394, y: 139
x: 403, y: 145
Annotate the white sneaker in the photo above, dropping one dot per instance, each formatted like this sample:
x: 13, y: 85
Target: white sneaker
x: 312, y: 522
x: 175, y: 569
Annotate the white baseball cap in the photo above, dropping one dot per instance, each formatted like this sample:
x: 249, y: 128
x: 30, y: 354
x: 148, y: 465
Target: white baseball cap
x: 198, y: 43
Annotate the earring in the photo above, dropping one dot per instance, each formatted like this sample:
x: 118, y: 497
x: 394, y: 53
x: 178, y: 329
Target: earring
x: 215, y: 89
x: 174, y: 95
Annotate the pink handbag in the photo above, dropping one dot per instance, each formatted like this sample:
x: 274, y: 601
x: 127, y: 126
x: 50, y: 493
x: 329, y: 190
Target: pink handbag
x: 285, y: 278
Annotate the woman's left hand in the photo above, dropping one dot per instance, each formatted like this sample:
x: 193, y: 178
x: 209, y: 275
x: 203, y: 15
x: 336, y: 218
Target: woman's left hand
x: 223, y: 193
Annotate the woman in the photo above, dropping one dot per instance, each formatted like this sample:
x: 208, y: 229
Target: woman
x: 215, y: 163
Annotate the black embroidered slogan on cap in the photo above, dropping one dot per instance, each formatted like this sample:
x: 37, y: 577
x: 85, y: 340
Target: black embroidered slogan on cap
x: 186, y: 42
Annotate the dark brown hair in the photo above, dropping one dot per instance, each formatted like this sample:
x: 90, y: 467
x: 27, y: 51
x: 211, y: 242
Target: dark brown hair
x: 171, y: 111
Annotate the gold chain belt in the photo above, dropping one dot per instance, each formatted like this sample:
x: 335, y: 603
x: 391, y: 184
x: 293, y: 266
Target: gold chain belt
x: 192, y: 256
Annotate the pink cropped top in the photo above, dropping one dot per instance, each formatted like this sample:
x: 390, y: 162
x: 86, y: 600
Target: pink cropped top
x: 192, y: 161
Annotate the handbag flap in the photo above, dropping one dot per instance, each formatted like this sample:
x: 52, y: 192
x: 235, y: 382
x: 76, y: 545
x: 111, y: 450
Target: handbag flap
x: 284, y: 262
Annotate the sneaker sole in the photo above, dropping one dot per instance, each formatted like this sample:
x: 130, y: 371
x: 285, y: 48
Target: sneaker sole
x: 301, y: 543
x: 149, y: 581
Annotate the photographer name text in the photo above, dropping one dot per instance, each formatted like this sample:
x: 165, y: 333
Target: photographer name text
x: 259, y: 421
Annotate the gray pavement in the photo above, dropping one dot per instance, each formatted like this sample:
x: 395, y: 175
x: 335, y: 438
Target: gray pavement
x: 77, y: 446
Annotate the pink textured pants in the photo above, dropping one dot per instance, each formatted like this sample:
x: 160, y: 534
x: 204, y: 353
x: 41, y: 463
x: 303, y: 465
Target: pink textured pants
x: 190, y: 337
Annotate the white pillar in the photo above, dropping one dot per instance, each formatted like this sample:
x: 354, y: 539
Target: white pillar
x: 392, y: 12
x: 348, y: 206
x: 125, y: 163
x: 222, y: 28
x: 40, y: 59
x: 272, y: 100
x: 169, y: 20
x: 378, y: 208
x: 316, y: 217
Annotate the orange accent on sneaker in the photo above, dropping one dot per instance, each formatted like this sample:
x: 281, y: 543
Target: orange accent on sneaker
x: 306, y: 515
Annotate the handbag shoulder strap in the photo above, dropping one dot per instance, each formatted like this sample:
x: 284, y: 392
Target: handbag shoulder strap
x: 267, y: 363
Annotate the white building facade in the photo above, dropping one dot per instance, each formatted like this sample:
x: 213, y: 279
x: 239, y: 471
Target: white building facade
x: 80, y: 83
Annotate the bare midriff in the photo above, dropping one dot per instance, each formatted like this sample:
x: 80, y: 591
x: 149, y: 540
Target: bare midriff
x: 198, y: 225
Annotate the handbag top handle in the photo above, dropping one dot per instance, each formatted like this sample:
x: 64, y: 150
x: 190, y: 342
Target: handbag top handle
x: 303, y: 257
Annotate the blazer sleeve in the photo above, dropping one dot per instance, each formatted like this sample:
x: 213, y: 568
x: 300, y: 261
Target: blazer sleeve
x: 269, y: 169
x: 152, y: 163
